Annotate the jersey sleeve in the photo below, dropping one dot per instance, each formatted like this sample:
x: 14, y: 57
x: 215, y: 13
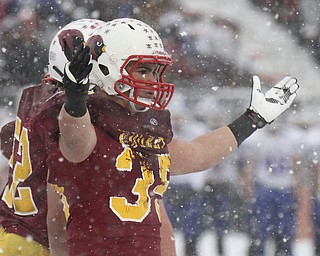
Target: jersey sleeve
x: 6, y: 138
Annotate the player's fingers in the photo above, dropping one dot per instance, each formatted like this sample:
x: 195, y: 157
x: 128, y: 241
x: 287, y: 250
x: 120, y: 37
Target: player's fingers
x: 283, y: 82
x: 290, y: 82
x: 67, y: 50
x: 85, y: 72
x: 290, y: 91
x: 286, y: 87
x: 294, y: 87
x: 256, y: 85
x: 83, y: 58
x: 290, y: 99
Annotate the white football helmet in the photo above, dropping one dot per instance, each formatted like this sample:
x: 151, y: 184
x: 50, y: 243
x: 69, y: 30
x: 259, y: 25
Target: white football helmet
x: 128, y: 40
x: 64, y: 42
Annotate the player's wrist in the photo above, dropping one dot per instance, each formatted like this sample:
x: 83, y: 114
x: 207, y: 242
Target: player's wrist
x: 68, y: 73
x: 245, y: 125
x: 257, y: 119
x: 76, y: 109
x: 76, y: 97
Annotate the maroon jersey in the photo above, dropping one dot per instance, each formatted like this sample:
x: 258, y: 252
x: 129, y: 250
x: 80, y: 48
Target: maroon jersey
x: 23, y: 204
x: 6, y: 138
x: 112, y: 195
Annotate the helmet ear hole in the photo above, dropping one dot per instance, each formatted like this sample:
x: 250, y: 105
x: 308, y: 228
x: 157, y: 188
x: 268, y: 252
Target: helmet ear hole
x: 104, y: 69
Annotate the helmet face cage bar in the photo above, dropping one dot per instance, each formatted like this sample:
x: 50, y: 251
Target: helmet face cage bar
x: 162, y: 91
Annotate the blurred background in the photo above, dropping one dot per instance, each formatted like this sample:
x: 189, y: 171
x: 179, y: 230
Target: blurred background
x: 217, y: 46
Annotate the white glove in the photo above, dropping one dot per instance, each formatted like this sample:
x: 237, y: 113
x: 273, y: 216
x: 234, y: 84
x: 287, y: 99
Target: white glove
x: 275, y: 101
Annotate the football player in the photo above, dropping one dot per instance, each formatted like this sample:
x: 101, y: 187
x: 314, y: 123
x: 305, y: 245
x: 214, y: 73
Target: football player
x: 23, y: 204
x: 25, y: 233
x: 272, y: 203
x: 112, y: 156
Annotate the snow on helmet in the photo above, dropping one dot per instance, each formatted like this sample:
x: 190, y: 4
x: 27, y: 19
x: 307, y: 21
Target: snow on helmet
x: 128, y: 40
x: 65, y: 41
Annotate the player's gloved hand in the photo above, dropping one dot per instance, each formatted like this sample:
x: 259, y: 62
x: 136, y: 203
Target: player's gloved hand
x: 264, y: 107
x: 70, y: 42
x: 76, y: 81
x: 275, y: 101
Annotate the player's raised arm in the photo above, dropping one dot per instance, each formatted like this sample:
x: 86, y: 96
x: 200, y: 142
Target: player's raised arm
x: 78, y: 136
x: 209, y: 149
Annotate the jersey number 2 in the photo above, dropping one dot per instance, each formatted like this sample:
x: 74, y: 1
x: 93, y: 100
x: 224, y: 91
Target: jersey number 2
x: 16, y: 197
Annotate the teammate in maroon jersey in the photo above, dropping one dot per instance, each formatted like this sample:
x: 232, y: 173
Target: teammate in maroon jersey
x: 23, y: 204
x: 23, y: 212
x: 112, y: 163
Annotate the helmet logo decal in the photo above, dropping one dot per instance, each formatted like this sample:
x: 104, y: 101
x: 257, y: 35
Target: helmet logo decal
x: 96, y: 45
x: 69, y: 39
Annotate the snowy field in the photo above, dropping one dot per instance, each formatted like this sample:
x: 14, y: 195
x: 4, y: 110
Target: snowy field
x: 268, y: 51
x: 236, y: 244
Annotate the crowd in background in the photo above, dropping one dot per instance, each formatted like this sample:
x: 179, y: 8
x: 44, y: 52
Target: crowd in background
x: 212, y: 72
x: 267, y: 191
x: 206, y: 48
